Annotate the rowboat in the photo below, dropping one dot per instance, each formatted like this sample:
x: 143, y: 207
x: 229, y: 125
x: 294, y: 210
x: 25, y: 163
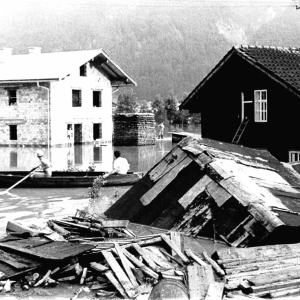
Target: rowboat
x: 62, y: 179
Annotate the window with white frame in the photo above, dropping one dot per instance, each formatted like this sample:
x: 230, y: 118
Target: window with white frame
x: 294, y: 156
x: 260, y: 105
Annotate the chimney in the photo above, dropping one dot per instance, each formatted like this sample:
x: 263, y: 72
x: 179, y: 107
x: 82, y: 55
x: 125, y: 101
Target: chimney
x: 5, y: 53
x: 34, y: 50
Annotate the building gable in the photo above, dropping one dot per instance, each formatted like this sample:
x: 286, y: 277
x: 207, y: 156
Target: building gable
x: 278, y: 63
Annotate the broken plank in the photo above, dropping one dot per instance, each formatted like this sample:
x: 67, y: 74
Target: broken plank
x: 114, y: 223
x: 163, y: 251
x: 199, y: 279
x: 214, y: 264
x: 139, y: 264
x: 285, y: 292
x: 110, y: 276
x: 196, y: 190
x: 215, y: 291
x: 47, y: 249
x: 218, y: 193
x: 175, y: 248
x: 158, y: 257
x: 119, y: 273
x: 259, y: 252
x: 10, y: 260
x: 197, y: 259
x: 169, y: 162
x: 98, y: 267
x: 175, y: 237
x: 145, y: 256
x: 131, y: 266
x: 160, y: 185
x: 276, y: 275
x: 126, y: 267
x: 58, y: 229
x: 276, y: 285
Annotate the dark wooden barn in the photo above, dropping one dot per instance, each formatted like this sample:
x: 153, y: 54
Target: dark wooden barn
x: 202, y: 187
x: 252, y: 97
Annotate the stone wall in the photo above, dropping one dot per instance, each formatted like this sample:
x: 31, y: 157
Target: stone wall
x: 29, y: 114
x: 134, y: 129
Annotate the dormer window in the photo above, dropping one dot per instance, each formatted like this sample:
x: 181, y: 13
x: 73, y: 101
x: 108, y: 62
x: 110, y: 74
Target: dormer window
x: 83, y: 70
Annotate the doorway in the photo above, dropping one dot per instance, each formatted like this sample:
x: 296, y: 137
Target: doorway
x: 97, y: 131
x: 77, y: 133
x: 247, y: 108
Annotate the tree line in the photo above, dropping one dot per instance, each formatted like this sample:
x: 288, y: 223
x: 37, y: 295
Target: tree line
x: 165, y: 108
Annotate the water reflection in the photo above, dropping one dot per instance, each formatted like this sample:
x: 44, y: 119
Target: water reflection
x: 140, y: 158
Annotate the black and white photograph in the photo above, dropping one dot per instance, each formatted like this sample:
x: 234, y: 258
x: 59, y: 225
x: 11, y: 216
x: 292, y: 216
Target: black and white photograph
x: 146, y: 152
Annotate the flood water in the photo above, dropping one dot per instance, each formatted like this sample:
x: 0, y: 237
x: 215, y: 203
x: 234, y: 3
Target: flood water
x: 38, y: 205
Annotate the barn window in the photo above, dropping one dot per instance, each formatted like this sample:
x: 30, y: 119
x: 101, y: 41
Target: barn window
x: 97, y: 99
x: 13, y: 133
x: 294, y: 156
x: 76, y: 98
x: 260, y: 99
x: 12, y: 97
x: 82, y: 70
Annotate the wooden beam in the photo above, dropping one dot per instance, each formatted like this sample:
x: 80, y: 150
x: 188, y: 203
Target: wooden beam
x: 199, y: 279
x: 160, y: 185
x: 110, y: 276
x: 175, y: 237
x: 119, y: 273
x: 196, y: 258
x: 215, y: 291
x: 140, y: 265
x: 175, y: 248
x: 145, y: 256
x: 126, y: 267
x: 196, y: 190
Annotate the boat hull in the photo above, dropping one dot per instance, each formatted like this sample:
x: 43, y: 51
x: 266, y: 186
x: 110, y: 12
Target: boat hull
x: 65, y: 179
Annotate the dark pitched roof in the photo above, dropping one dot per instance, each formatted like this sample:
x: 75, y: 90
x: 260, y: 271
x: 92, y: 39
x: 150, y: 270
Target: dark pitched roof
x: 280, y: 63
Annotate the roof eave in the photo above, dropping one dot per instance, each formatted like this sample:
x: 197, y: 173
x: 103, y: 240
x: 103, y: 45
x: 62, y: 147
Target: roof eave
x: 207, y: 77
x: 28, y: 80
x: 113, y: 66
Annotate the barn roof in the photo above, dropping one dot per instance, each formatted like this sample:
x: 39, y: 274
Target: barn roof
x: 247, y: 193
x: 57, y: 65
x: 282, y: 64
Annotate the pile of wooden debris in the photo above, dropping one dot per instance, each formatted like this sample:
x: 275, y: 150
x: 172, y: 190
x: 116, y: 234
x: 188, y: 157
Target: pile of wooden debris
x: 265, y: 271
x: 115, y: 258
x: 106, y: 258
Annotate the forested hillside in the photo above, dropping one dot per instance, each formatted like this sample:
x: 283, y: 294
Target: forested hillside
x: 163, y: 47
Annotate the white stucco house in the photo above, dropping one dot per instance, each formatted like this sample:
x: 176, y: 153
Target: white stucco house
x: 51, y: 99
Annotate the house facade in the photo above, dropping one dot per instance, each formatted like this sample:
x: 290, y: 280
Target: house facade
x: 53, y: 99
x: 252, y: 98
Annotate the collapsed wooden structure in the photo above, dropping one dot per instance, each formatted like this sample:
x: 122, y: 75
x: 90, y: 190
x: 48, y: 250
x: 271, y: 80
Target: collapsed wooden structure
x: 202, y: 187
x: 134, y: 129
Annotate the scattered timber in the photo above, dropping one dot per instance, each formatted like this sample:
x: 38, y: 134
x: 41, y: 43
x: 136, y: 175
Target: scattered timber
x: 128, y: 265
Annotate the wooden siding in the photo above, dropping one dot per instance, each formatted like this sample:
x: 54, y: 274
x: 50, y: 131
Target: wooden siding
x: 221, y: 108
